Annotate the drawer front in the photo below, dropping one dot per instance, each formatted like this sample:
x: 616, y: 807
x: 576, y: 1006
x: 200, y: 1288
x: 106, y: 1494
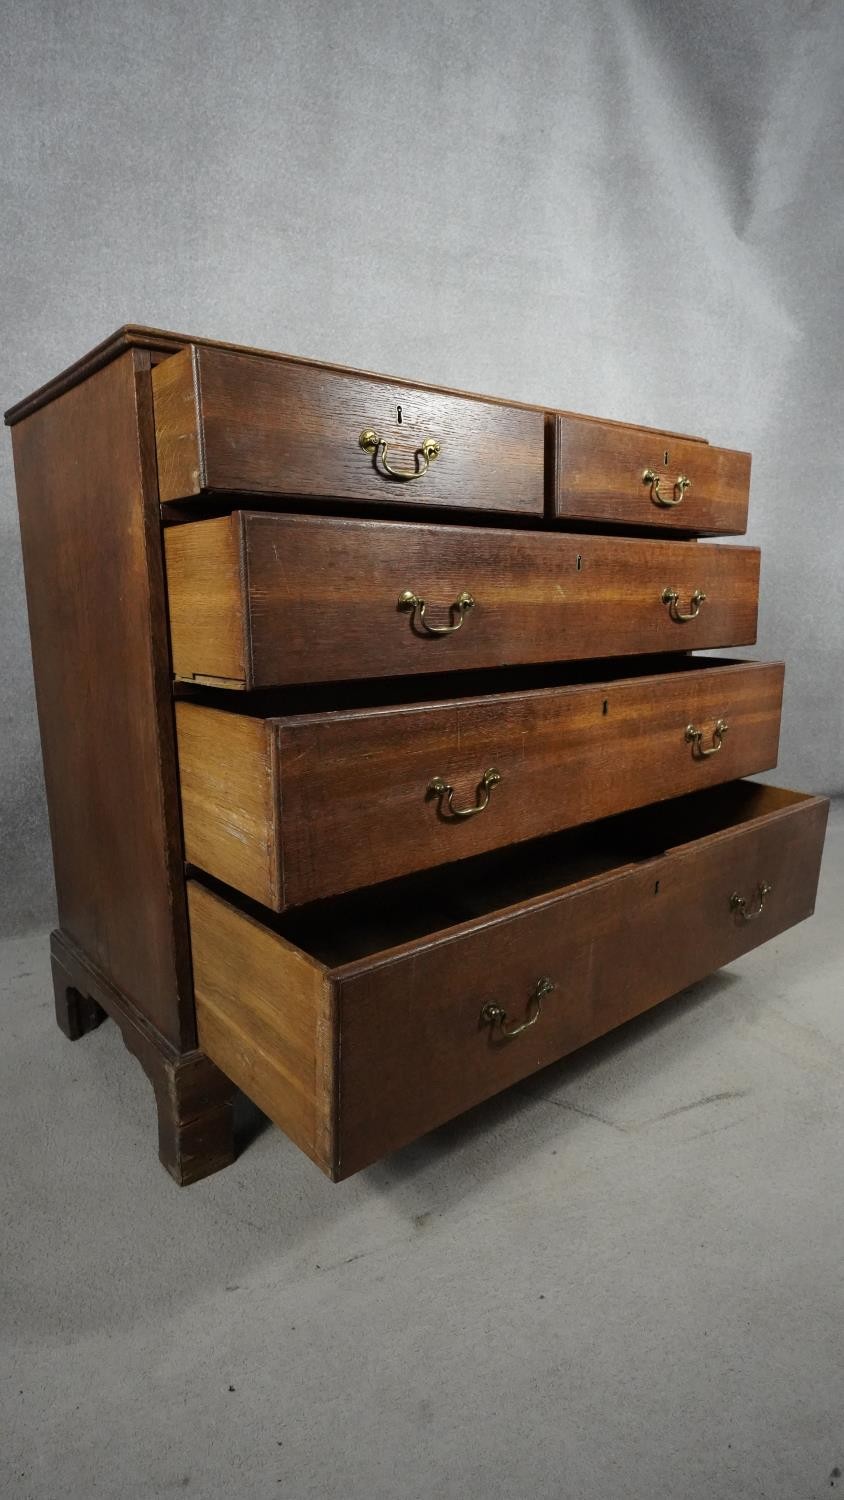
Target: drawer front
x: 357, y: 1061
x: 330, y: 802
x: 258, y: 600
x: 246, y: 423
x: 418, y: 1047
x: 633, y: 476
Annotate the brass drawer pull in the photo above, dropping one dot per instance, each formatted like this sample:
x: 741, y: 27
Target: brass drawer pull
x: 411, y: 601
x: 749, y: 914
x: 671, y: 597
x: 441, y: 788
x: 681, y: 484
x: 695, y: 736
x: 493, y: 1015
x: 370, y: 442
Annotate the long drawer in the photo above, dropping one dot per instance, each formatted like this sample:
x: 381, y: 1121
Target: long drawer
x: 236, y: 423
x: 633, y: 476
x: 258, y: 600
x: 298, y: 807
x: 360, y: 1028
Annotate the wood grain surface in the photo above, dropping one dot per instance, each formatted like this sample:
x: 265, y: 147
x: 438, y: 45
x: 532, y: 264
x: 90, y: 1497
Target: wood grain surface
x: 194, y: 1099
x: 258, y: 600
x: 613, y: 947
x: 596, y: 475
x: 351, y: 804
x: 241, y: 422
x: 348, y: 928
x: 207, y: 594
x: 281, y: 1055
x: 229, y: 798
x: 404, y: 1046
x: 90, y: 529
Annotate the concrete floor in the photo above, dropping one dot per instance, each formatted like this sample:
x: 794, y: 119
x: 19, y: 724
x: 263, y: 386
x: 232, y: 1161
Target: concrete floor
x: 623, y: 1279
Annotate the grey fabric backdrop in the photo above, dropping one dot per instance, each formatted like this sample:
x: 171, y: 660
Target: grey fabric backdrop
x: 632, y: 209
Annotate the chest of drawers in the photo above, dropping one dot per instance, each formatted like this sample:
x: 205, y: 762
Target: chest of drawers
x: 380, y: 772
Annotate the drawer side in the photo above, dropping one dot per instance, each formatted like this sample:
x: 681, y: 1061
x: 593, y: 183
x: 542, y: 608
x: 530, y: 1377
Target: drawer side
x: 228, y: 784
x: 206, y: 599
x: 264, y: 1016
x: 178, y: 433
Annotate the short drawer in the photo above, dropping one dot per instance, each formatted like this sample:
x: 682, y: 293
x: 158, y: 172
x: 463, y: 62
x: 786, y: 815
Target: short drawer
x: 634, y: 476
x: 295, y: 808
x: 251, y: 423
x: 259, y: 600
x: 364, y: 1026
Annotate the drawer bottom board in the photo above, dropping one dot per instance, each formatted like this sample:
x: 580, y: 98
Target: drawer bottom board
x: 367, y: 1021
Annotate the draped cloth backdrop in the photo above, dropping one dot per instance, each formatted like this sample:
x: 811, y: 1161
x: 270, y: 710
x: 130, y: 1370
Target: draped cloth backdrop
x: 625, y: 207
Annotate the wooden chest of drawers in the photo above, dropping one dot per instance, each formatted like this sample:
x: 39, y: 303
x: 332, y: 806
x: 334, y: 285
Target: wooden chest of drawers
x: 380, y: 772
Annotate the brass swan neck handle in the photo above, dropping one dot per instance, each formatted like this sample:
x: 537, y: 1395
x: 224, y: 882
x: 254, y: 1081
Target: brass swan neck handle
x: 678, y: 489
x: 439, y: 787
x: 695, y: 738
x: 494, y: 1015
x: 429, y: 449
x: 417, y: 607
x: 739, y: 905
x: 671, y: 598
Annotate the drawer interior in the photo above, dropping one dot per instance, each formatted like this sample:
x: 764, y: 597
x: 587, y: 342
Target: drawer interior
x: 346, y: 929
x: 364, y: 1021
x: 441, y: 687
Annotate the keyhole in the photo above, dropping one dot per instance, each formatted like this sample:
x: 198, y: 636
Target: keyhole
x: 578, y: 562
x: 664, y: 456
x: 398, y: 419
x: 656, y: 888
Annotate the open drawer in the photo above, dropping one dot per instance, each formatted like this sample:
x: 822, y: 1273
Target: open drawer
x: 293, y: 807
x: 633, y: 476
x: 364, y: 1022
x: 262, y: 600
x: 234, y: 422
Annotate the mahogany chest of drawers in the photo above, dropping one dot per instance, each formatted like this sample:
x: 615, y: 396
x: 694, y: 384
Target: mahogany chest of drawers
x: 379, y: 767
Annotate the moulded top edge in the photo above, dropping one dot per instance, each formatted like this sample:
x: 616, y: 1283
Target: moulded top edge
x: 163, y: 341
